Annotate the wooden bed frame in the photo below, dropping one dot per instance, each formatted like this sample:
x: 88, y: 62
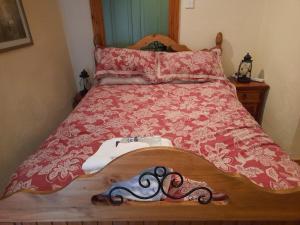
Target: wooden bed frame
x: 72, y: 205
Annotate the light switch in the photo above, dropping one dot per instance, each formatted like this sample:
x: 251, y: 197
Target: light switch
x: 189, y: 4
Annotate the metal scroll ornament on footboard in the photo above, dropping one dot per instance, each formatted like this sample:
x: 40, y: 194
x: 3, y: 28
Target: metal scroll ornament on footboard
x: 159, y: 176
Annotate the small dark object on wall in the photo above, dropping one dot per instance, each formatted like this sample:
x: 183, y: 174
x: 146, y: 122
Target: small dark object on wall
x: 244, y: 73
x: 84, y: 82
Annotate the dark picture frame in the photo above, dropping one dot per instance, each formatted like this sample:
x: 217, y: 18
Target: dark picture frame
x: 14, y: 29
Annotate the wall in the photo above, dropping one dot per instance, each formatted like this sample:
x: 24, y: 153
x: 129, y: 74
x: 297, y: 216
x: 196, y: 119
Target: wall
x: 79, y: 34
x: 36, y: 86
x: 199, y: 26
x: 279, y: 56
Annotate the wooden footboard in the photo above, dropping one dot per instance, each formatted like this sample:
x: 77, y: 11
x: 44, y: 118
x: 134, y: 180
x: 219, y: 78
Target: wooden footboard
x: 247, y: 202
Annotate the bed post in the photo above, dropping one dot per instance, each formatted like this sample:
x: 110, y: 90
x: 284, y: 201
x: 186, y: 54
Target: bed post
x: 96, y: 41
x: 219, y: 40
x: 98, y: 22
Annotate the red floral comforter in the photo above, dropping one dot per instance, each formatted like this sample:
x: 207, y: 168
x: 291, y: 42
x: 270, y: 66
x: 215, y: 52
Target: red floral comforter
x: 205, y: 118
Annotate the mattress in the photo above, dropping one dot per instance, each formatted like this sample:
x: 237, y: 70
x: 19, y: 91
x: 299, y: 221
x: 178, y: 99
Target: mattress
x: 204, y: 118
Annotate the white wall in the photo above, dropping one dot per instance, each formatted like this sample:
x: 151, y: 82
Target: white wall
x: 279, y: 56
x: 79, y: 34
x: 239, y: 21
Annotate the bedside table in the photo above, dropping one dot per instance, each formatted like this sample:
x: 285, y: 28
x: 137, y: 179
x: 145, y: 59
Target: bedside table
x: 78, y: 97
x: 253, y: 96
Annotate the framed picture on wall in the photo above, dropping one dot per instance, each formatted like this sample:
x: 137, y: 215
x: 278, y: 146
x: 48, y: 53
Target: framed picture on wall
x: 14, y: 29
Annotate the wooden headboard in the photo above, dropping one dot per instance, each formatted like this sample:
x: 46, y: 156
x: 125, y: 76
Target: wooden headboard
x: 157, y: 42
x: 145, y: 43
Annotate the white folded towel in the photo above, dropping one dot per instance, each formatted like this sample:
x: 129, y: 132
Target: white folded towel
x: 109, y: 151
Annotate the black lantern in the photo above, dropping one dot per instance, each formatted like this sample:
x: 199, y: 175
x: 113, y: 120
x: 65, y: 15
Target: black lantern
x: 245, y: 68
x: 84, y: 82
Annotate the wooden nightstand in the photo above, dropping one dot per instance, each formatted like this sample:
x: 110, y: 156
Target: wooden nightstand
x: 253, y: 96
x: 78, y: 97
x: 296, y: 158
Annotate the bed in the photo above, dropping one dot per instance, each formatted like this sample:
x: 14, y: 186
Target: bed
x: 216, y: 141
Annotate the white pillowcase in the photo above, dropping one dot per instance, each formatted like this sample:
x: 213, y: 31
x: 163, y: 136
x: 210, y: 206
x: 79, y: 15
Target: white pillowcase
x: 118, y: 80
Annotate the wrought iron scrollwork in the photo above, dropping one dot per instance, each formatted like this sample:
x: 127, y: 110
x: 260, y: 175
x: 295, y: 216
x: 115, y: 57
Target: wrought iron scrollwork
x: 160, y: 174
x: 157, y: 46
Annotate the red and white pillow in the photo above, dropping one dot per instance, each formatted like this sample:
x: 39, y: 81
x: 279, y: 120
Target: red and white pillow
x: 158, y: 67
x: 197, y: 66
x: 124, y: 63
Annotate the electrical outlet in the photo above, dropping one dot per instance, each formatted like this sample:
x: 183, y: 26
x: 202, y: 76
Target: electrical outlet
x: 189, y: 4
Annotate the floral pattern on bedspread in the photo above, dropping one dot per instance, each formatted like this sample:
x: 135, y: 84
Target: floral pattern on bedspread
x: 204, y: 118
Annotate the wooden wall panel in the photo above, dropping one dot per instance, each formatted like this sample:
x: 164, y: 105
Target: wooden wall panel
x: 151, y: 223
x: 105, y: 223
x: 97, y: 20
x: 120, y: 223
x: 174, y: 6
x: 74, y: 223
x: 213, y: 223
x: 161, y: 223
x: 166, y: 223
x: 44, y: 223
x: 136, y: 223
x: 60, y: 223
x: 92, y: 223
x: 182, y: 223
